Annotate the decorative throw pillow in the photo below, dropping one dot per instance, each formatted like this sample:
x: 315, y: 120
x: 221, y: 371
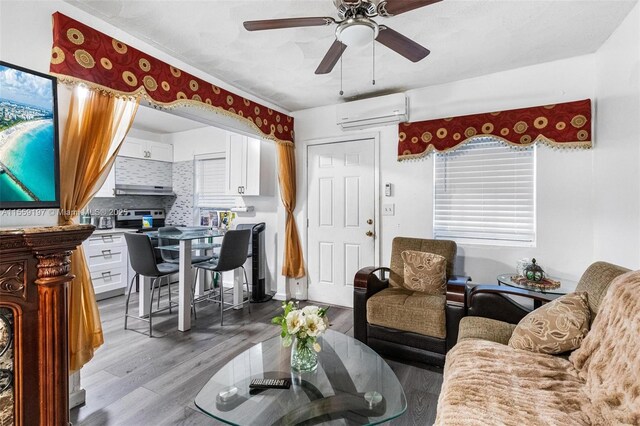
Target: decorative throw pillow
x: 556, y: 327
x: 425, y: 272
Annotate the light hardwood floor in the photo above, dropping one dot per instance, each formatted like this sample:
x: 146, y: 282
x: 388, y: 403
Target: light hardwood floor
x: 137, y: 381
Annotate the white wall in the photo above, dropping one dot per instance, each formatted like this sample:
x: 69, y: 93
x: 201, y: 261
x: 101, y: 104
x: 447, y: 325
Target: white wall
x: 616, y: 165
x: 204, y: 140
x: 144, y: 134
x: 565, y: 179
x: 211, y: 139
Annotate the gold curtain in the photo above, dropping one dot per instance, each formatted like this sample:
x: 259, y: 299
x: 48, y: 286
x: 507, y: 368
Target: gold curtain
x: 293, y: 262
x: 96, y: 126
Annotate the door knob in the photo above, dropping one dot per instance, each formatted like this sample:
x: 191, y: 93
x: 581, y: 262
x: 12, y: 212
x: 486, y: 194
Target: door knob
x: 370, y: 221
x: 369, y: 234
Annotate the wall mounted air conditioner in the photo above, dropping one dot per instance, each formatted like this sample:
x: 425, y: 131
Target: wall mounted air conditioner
x: 373, y: 112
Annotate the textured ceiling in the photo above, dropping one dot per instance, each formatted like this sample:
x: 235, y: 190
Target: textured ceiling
x: 156, y: 121
x: 467, y: 38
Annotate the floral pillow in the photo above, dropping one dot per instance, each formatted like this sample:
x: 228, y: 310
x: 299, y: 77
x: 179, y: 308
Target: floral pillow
x: 554, y: 328
x: 425, y: 272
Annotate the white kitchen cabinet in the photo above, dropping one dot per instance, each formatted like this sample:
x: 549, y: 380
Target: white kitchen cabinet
x: 133, y: 147
x: 243, y: 165
x: 107, y: 258
x: 108, y: 189
x: 146, y: 149
x: 160, y: 151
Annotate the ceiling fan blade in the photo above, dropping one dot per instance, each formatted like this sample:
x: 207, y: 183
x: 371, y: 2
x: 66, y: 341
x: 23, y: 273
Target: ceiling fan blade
x: 331, y: 58
x: 273, y: 24
x: 401, y: 44
x: 396, y: 7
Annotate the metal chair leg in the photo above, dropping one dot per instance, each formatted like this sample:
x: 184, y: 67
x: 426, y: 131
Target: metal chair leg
x: 159, y: 291
x: 126, y: 306
x: 193, y: 294
x: 169, y: 287
x: 221, y: 291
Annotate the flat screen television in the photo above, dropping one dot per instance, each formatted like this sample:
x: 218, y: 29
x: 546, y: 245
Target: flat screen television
x: 29, y: 164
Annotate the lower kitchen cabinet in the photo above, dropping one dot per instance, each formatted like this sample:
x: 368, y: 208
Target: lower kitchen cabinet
x: 108, y: 261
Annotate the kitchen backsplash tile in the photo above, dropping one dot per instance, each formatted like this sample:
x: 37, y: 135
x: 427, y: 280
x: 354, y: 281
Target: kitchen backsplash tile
x: 129, y: 202
x: 180, y: 208
x: 134, y: 171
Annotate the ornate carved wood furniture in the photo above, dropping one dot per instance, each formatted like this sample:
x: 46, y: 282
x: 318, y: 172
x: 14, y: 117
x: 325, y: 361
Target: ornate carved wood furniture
x: 34, y: 275
x: 432, y: 320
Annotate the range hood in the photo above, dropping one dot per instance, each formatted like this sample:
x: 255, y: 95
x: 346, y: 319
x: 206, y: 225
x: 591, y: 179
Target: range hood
x: 143, y: 190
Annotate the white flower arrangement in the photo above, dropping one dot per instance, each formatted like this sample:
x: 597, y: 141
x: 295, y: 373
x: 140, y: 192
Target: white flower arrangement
x: 304, y: 324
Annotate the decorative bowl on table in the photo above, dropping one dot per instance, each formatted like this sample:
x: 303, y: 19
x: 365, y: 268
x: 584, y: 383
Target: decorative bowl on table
x: 544, y: 284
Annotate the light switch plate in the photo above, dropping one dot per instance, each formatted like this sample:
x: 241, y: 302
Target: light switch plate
x: 388, y: 209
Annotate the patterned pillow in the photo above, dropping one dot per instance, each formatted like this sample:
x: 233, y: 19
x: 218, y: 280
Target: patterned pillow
x: 425, y: 272
x: 554, y: 328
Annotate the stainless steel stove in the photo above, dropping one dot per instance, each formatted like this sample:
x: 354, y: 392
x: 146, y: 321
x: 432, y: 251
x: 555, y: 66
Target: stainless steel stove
x: 132, y: 219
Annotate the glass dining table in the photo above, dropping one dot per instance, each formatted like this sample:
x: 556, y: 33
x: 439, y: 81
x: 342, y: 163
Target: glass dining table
x: 189, y: 239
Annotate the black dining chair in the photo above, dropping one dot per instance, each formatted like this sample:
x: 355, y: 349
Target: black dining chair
x: 233, y: 255
x: 143, y: 262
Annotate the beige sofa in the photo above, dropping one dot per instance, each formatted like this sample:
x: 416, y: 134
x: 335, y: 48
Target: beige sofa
x: 487, y: 382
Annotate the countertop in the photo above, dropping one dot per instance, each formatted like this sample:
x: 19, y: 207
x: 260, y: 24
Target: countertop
x: 112, y: 231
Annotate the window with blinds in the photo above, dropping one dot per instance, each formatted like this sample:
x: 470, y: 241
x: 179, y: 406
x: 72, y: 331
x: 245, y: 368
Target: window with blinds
x: 485, y: 194
x: 210, y: 183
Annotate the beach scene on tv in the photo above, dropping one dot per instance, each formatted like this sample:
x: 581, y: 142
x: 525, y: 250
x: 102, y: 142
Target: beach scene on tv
x: 27, y: 137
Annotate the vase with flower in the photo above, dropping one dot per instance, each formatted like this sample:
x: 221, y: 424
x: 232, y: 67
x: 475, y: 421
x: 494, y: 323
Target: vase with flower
x: 301, y: 328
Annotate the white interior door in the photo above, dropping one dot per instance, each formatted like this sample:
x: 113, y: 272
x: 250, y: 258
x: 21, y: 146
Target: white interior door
x: 341, y: 213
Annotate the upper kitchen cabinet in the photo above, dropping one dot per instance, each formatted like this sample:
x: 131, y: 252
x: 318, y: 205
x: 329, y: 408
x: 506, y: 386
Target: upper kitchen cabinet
x: 243, y: 165
x: 146, y: 149
x: 108, y: 188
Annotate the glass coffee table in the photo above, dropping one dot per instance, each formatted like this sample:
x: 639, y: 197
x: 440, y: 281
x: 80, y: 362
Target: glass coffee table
x: 352, y: 385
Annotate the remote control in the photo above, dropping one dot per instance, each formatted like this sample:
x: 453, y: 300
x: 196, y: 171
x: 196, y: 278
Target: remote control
x: 270, y: 384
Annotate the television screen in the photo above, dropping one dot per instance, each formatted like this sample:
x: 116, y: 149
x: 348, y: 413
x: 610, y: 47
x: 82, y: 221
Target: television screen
x: 28, y: 139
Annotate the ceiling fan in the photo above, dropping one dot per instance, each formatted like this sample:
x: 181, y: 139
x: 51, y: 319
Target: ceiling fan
x: 356, y: 27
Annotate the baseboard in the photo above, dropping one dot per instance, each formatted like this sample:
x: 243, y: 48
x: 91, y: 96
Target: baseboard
x: 77, y: 398
x: 109, y: 294
x: 280, y: 296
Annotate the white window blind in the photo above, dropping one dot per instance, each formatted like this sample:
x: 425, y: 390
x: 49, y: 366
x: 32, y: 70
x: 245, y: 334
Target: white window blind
x: 210, y: 183
x: 485, y: 193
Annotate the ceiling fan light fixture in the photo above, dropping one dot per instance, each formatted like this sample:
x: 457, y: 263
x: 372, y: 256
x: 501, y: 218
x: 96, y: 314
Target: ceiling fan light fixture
x: 357, y: 32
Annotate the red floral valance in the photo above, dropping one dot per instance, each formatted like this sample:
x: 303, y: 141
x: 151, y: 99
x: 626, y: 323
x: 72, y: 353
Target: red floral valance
x: 83, y: 54
x: 566, y: 125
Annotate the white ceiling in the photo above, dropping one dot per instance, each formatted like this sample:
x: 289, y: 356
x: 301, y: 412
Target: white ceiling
x: 467, y: 38
x: 157, y: 121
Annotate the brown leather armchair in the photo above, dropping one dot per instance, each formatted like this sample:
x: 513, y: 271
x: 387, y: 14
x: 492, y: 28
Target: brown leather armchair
x: 403, y: 323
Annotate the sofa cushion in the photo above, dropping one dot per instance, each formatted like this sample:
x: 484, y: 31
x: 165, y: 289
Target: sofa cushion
x: 554, y: 328
x: 444, y: 248
x: 596, y: 280
x: 424, y: 272
x: 609, y: 357
x: 407, y: 310
x: 488, y: 383
x: 485, y: 329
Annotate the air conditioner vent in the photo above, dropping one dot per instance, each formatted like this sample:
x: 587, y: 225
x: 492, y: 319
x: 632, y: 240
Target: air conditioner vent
x: 374, y: 112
